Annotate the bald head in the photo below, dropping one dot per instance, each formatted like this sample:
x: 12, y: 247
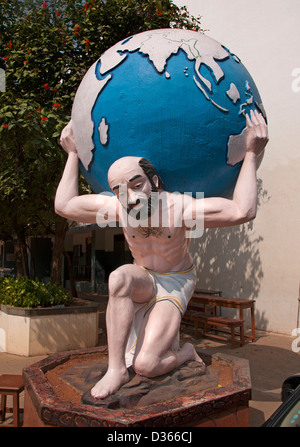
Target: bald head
x: 128, y: 169
x: 121, y: 169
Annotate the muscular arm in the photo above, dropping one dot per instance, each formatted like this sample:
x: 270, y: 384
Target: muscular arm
x: 220, y: 212
x: 67, y: 201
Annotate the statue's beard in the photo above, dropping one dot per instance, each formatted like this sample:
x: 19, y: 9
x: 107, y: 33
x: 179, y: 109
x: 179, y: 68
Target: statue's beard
x: 151, y: 203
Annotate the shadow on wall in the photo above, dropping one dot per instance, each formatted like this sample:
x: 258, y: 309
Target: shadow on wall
x: 229, y: 259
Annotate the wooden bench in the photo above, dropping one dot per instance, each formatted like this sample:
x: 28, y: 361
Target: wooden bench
x: 211, y: 301
x: 214, y: 323
x: 204, y: 308
x: 11, y: 384
x: 207, y: 292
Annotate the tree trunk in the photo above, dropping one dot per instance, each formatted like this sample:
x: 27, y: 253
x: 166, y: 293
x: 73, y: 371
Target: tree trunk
x: 61, y: 227
x: 18, y: 255
x: 25, y: 255
x: 71, y: 276
x: 21, y: 255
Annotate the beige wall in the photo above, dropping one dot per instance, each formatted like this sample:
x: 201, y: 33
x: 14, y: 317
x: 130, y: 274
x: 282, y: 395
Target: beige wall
x: 262, y: 259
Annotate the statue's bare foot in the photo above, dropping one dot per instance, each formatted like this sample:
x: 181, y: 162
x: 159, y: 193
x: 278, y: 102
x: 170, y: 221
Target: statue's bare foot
x: 191, y: 353
x: 110, y: 383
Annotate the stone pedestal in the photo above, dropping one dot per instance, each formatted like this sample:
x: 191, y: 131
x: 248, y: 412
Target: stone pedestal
x: 57, y: 393
x: 40, y: 331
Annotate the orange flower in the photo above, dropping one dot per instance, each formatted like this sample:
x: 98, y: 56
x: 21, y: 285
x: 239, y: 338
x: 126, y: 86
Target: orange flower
x: 44, y: 119
x: 46, y: 86
x: 77, y: 29
x: 5, y: 126
x: 57, y: 106
x: 45, y: 5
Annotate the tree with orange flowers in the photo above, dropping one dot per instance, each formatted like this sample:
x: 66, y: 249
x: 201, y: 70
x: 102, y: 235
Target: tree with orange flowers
x: 45, y: 50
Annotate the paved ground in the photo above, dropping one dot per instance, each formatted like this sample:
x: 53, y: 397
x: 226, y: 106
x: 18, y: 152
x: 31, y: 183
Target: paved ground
x: 271, y: 361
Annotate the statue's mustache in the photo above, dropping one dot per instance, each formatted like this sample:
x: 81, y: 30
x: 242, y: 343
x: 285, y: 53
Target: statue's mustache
x: 149, y: 202
x: 130, y: 206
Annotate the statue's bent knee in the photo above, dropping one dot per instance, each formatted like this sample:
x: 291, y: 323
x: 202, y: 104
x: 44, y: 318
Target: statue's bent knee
x: 120, y: 283
x: 145, y: 365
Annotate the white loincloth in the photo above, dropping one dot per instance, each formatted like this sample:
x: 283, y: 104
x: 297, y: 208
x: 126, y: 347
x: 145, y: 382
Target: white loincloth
x: 176, y: 287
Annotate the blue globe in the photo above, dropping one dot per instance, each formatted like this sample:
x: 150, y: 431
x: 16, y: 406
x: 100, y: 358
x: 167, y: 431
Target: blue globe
x: 175, y: 97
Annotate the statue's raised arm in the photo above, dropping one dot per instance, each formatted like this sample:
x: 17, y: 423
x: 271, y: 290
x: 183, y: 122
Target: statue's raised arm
x: 68, y: 202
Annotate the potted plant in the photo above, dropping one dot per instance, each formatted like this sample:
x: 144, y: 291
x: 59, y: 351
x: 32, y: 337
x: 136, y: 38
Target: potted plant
x: 38, y: 318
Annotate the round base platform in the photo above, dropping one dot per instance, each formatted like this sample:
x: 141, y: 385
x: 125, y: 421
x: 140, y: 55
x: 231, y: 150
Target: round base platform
x: 57, y: 393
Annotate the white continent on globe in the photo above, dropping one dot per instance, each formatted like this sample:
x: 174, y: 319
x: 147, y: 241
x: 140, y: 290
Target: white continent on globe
x: 158, y: 46
x: 201, y: 49
x: 83, y: 104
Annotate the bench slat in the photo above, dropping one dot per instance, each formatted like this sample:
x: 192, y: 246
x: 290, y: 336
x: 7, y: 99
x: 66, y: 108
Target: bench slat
x: 231, y: 323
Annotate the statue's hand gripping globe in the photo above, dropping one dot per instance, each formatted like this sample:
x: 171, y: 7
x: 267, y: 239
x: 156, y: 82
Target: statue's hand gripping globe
x: 175, y: 97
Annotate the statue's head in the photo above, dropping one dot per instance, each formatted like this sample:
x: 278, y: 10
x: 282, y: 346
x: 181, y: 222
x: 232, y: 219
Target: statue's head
x: 133, y: 179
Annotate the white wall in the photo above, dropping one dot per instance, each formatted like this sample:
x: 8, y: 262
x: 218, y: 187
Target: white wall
x: 262, y: 260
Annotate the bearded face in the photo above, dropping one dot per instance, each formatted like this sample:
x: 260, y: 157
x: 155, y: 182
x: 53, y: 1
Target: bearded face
x: 136, y: 183
x: 142, y: 202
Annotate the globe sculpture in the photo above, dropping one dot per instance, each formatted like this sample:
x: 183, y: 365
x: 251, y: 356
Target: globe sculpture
x: 173, y: 96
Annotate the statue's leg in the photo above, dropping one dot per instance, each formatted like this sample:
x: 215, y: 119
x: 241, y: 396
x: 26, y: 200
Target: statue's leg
x: 153, y: 356
x: 128, y: 283
x: 175, y: 345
